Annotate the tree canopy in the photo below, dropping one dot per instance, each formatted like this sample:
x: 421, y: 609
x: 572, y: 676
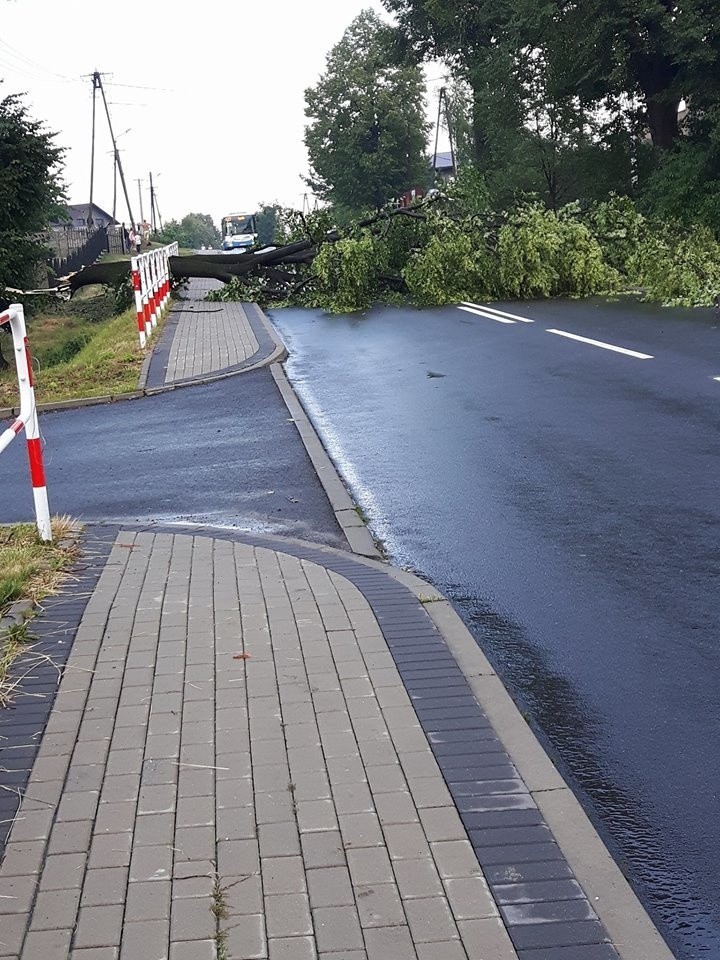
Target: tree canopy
x: 194, y: 230
x: 367, y: 132
x: 31, y: 190
x: 571, y: 100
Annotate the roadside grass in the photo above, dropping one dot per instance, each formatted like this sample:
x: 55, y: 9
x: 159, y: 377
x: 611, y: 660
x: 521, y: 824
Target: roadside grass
x: 77, y: 355
x: 29, y: 570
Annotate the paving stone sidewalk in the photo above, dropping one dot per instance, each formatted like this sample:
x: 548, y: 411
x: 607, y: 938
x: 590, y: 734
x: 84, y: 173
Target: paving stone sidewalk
x: 250, y: 756
x: 202, y: 339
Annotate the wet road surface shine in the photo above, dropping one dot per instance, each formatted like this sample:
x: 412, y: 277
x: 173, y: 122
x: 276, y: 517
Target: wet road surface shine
x: 566, y: 497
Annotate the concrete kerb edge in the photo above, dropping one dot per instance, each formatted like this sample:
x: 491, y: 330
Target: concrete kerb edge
x: 343, y: 506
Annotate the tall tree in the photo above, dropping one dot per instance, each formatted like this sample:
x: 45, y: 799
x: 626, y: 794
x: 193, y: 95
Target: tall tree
x: 367, y: 132
x: 30, y: 192
x: 194, y: 230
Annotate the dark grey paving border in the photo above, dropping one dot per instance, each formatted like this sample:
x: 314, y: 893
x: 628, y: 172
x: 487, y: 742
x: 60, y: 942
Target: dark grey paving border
x: 53, y: 631
x: 545, y: 909
x: 157, y: 369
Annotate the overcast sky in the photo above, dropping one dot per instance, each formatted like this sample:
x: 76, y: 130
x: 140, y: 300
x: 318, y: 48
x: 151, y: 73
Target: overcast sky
x: 213, y: 103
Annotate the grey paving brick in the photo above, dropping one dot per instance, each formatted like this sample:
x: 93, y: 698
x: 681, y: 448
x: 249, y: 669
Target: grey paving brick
x: 385, y: 942
x: 148, y: 900
x: 379, y: 905
x: 99, y: 926
x: 194, y: 950
x: 406, y: 841
x: 114, y: 818
x: 470, y: 898
x: 323, y: 849
x: 194, y: 843
x: 455, y: 858
x: 486, y: 938
x: 361, y: 830
x: 153, y: 829
x: 275, y: 807
x: 288, y: 915
x: 279, y: 839
x: 246, y: 937
x: 151, y: 863
x: 13, y: 934
x: 283, y: 875
x: 330, y: 887
x: 199, y: 884
x: 158, y: 798
x: 370, y: 865
x: 237, y: 857
x: 292, y: 948
x: 48, y: 944
x: 192, y: 919
x: 418, y: 878
x: 314, y: 815
x: 31, y: 825
x: 63, y: 871
x: 442, y: 823
x: 117, y: 789
x: 430, y: 920
x: 146, y: 938
x: 77, y: 806
x: 337, y: 928
x: 104, y: 887
x: 396, y: 807
x: 110, y: 850
x: 388, y: 778
x: 23, y: 858
x: 242, y: 895
x: 53, y: 910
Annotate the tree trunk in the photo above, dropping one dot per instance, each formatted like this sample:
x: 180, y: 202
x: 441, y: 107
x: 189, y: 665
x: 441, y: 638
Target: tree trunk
x: 663, y: 122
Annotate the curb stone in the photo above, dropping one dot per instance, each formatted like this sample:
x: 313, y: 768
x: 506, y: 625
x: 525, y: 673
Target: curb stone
x: 356, y: 532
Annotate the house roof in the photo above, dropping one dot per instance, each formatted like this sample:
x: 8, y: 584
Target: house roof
x: 79, y: 211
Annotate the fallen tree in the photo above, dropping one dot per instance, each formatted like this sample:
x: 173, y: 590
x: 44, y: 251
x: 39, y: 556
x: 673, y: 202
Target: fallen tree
x: 449, y: 248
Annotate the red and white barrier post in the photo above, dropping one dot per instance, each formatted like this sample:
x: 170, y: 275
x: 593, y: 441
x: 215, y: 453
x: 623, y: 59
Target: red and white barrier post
x: 151, y: 284
x: 27, y: 418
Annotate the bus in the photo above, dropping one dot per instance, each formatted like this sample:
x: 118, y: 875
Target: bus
x: 239, y: 231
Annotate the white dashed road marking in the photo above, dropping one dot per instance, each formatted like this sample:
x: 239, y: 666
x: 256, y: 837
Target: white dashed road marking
x: 498, y: 313
x: 605, y: 346
x: 488, y: 316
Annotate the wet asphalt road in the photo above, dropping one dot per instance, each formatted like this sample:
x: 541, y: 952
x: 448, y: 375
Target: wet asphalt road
x: 567, y: 498
x: 224, y: 454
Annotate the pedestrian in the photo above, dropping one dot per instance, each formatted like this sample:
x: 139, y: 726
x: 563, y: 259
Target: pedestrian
x: 138, y: 239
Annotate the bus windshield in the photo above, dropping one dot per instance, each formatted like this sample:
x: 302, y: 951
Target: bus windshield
x: 241, y: 224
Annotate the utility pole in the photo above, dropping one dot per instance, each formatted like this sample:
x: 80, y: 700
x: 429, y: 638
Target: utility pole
x: 153, y: 224
x: 157, y: 210
x: 142, y: 215
x: 95, y: 83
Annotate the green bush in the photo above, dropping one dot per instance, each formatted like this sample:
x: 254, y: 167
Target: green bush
x: 679, y: 268
x: 618, y: 227
x: 348, y: 273
x: 547, y: 254
x: 454, y: 265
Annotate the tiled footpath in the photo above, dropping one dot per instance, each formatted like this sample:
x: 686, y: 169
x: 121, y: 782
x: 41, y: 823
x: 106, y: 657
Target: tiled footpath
x: 263, y: 749
x: 202, y: 340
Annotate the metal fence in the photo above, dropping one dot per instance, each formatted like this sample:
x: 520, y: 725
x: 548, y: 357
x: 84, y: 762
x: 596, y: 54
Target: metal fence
x: 73, y: 249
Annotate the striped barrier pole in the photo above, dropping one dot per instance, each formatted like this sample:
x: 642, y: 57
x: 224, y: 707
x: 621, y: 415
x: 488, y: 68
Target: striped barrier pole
x: 28, y: 418
x: 137, y: 289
